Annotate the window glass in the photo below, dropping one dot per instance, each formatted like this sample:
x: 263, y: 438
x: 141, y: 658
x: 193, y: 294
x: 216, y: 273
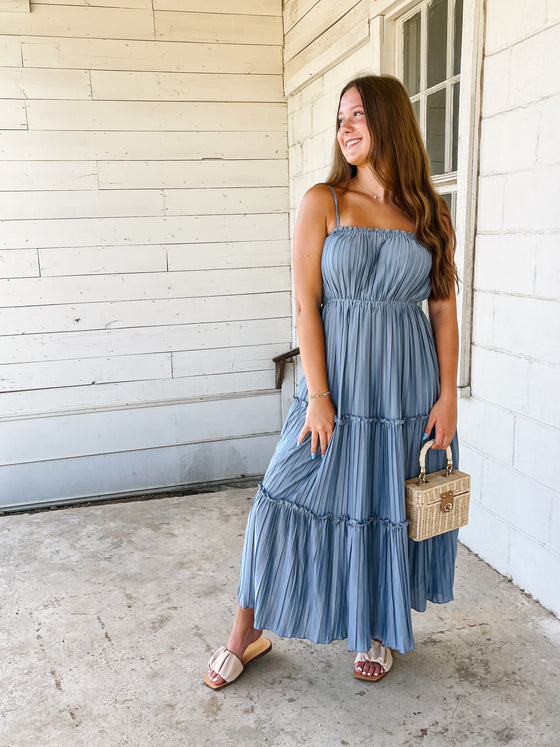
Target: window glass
x: 451, y: 200
x: 457, y: 36
x: 437, y: 42
x: 416, y: 107
x: 455, y: 128
x: 411, y: 30
x: 435, y: 131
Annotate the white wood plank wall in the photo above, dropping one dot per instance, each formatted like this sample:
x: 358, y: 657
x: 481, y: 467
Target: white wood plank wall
x: 144, y: 244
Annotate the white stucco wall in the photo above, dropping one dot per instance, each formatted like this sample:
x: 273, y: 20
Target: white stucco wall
x: 510, y: 427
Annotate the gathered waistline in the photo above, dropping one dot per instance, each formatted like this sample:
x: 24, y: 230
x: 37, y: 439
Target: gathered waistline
x: 371, y: 301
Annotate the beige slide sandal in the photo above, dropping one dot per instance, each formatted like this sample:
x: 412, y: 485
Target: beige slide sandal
x: 229, y: 666
x: 379, y: 654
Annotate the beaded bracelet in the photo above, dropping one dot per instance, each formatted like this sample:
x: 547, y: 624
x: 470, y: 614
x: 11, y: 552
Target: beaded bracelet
x: 322, y: 394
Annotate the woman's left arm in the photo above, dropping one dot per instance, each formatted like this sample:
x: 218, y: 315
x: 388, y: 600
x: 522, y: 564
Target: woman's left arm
x: 443, y: 318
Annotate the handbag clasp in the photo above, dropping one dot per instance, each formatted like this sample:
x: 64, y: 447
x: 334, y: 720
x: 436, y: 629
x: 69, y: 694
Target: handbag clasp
x: 447, y: 501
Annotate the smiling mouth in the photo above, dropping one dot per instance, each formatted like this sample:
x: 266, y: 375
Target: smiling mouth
x: 351, y: 143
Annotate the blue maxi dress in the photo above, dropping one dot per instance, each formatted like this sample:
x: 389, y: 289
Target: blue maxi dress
x: 326, y: 553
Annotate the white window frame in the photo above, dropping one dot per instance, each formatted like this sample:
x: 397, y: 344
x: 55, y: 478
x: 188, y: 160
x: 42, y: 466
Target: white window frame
x: 385, y: 20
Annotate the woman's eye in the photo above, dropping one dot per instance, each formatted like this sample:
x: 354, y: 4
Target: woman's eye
x: 358, y: 113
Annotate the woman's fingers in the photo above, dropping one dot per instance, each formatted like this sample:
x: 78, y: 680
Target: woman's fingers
x: 443, y: 436
x: 320, y: 423
x: 443, y: 417
x: 324, y: 437
x: 438, y: 437
x: 446, y: 440
x: 313, y: 444
x: 304, y: 431
x: 319, y: 438
x: 429, y: 427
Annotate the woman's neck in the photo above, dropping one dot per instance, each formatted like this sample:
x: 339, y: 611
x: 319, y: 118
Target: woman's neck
x: 366, y: 181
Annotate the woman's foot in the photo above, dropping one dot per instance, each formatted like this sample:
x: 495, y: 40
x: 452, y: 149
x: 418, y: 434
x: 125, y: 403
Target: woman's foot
x: 369, y: 668
x: 365, y: 668
x: 242, y: 635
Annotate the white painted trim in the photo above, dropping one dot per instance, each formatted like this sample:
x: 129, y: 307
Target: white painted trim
x: 377, y: 43
x: 470, y: 101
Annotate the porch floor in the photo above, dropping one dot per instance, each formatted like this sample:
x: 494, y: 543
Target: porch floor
x: 110, y: 612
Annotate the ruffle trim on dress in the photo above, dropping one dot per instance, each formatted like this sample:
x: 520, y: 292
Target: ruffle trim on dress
x: 344, y: 519
x: 350, y: 418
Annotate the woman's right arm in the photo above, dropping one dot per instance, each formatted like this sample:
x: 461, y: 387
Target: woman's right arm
x: 309, y: 234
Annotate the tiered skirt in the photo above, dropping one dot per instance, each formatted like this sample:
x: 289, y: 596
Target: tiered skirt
x: 326, y: 553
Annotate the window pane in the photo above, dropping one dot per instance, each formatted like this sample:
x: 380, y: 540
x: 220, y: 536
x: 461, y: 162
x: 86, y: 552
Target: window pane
x: 437, y: 41
x: 449, y: 197
x: 416, y: 107
x: 455, y: 132
x: 458, y: 37
x: 435, y: 131
x: 411, y: 41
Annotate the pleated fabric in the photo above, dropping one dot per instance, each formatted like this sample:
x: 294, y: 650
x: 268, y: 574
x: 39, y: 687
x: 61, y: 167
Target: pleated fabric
x: 326, y: 554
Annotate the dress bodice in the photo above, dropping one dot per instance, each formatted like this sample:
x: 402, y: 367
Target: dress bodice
x: 375, y: 264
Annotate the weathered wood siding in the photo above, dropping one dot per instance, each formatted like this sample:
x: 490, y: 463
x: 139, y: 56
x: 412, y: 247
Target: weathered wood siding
x: 144, y: 244
x: 320, y: 33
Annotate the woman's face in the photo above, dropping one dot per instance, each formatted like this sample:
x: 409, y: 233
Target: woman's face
x: 353, y: 133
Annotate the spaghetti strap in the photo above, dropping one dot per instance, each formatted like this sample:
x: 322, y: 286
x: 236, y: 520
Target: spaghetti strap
x: 336, y: 205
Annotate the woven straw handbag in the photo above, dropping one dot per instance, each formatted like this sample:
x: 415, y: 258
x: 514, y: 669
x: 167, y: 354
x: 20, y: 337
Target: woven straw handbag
x: 436, y: 502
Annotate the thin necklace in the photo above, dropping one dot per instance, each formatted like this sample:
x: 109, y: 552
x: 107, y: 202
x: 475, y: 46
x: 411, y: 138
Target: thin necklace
x: 375, y: 197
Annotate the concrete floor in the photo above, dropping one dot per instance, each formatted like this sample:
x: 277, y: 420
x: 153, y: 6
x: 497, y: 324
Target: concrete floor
x: 110, y: 612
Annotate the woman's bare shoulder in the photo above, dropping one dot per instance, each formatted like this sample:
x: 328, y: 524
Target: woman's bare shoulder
x: 318, y: 194
x: 316, y: 216
x: 318, y: 203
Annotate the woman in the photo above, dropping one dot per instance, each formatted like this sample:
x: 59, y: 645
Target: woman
x: 327, y: 555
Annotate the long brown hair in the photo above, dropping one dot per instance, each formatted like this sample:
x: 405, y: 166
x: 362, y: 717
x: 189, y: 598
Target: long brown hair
x: 400, y: 161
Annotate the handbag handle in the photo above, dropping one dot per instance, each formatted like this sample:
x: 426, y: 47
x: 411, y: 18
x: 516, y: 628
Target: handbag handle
x: 423, y: 453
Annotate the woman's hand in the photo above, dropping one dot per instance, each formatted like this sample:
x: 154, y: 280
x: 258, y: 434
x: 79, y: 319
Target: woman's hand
x: 320, y: 421
x: 444, y: 416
